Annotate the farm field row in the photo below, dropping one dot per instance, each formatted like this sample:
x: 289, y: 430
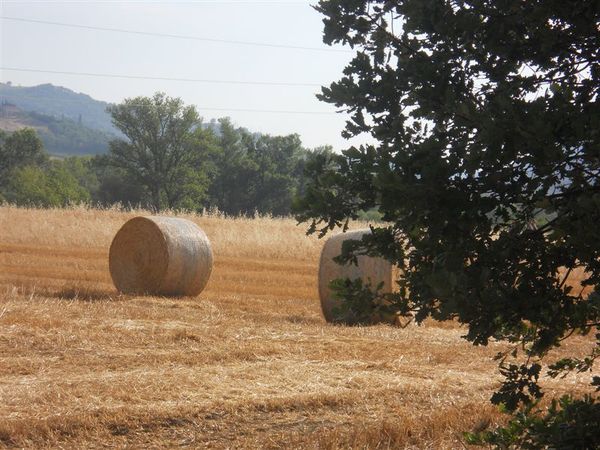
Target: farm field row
x: 249, y: 363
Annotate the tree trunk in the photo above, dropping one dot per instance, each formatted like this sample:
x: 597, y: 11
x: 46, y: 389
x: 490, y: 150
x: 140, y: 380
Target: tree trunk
x: 155, y: 192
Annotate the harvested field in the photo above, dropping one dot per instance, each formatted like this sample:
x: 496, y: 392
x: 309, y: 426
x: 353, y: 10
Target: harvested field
x: 249, y: 363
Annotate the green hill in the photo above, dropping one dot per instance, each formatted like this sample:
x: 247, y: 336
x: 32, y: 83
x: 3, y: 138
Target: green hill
x: 69, y: 123
x: 61, y: 136
x: 56, y: 101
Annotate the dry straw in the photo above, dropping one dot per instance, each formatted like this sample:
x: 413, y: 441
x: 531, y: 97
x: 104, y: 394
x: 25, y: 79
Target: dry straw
x: 376, y: 270
x: 160, y: 256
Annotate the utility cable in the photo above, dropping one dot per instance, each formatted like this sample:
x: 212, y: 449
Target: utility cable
x: 140, y: 77
x: 10, y: 98
x: 175, y: 36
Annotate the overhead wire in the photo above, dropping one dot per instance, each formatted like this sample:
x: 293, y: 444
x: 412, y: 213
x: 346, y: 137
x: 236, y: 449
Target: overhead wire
x: 142, y: 77
x: 175, y: 36
x: 8, y: 98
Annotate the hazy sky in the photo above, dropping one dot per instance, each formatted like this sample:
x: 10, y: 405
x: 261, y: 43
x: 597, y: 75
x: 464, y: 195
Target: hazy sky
x: 294, y: 23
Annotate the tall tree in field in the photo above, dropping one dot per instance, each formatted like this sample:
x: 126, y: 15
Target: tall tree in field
x: 486, y: 166
x: 166, y: 151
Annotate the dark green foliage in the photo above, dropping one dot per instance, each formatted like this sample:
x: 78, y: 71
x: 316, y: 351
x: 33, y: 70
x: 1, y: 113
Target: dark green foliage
x: 229, y: 189
x: 18, y: 149
x: 567, y: 424
x: 486, y: 120
x: 115, y: 186
x: 303, y: 168
x: 360, y: 300
x: 274, y: 182
x: 256, y: 172
x: 519, y: 386
x: 362, y: 303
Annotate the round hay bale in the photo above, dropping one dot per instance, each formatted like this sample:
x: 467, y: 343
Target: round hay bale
x: 160, y: 256
x: 375, y: 269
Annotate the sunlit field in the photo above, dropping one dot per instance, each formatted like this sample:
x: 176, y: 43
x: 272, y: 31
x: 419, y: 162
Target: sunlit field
x: 250, y: 363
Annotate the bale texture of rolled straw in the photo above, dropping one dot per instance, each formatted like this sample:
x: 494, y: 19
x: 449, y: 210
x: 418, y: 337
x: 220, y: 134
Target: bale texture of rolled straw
x: 160, y: 256
x: 376, y: 269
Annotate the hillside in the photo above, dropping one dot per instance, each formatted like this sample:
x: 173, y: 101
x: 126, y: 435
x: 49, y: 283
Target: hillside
x: 69, y: 123
x: 57, y: 101
x: 61, y: 136
x: 250, y: 363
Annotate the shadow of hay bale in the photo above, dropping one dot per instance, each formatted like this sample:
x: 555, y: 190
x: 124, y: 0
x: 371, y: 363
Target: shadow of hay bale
x: 86, y: 294
x: 304, y: 320
x: 77, y: 292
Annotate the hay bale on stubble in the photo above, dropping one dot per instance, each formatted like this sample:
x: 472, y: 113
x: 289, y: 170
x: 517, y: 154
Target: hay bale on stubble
x: 376, y: 269
x: 160, y: 256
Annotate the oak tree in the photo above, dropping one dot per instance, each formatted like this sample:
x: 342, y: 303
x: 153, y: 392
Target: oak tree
x: 485, y: 165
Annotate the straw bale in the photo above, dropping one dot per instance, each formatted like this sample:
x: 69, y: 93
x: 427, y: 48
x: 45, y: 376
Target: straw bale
x: 376, y: 269
x: 160, y: 256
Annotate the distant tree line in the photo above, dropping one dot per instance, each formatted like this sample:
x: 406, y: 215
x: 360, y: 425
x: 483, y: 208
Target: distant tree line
x: 167, y: 159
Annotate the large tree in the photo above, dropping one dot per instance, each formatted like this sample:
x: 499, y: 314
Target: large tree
x: 485, y: 165
x: 166, y: 150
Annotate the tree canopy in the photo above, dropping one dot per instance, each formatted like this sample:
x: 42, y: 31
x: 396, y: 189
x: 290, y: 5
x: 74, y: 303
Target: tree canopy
x: 220, y: 167
x: 18, y: 149
x: 256, y: 172
x: 165, y: 151
x: 53, y: 187
x: 485, y: 166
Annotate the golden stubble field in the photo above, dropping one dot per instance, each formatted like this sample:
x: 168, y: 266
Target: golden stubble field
x: 250, y: 363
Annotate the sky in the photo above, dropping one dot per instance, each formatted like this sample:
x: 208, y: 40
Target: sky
x: 222, y: 66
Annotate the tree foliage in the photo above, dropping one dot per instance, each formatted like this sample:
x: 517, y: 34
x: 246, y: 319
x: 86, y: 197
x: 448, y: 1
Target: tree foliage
x: 568, y: 423
x: 217, y: 166
x: 256, y: 172
x: 486, y: 165
x: 166, y: 149
x: 41, y: 187
x: 20, y: 148
x: 115, y: 186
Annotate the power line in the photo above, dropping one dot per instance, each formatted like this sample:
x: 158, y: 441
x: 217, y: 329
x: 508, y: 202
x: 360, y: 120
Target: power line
x: 272, y: 111
x: 174, y: 36
x: 207, y: 108
x: 139, y: 77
